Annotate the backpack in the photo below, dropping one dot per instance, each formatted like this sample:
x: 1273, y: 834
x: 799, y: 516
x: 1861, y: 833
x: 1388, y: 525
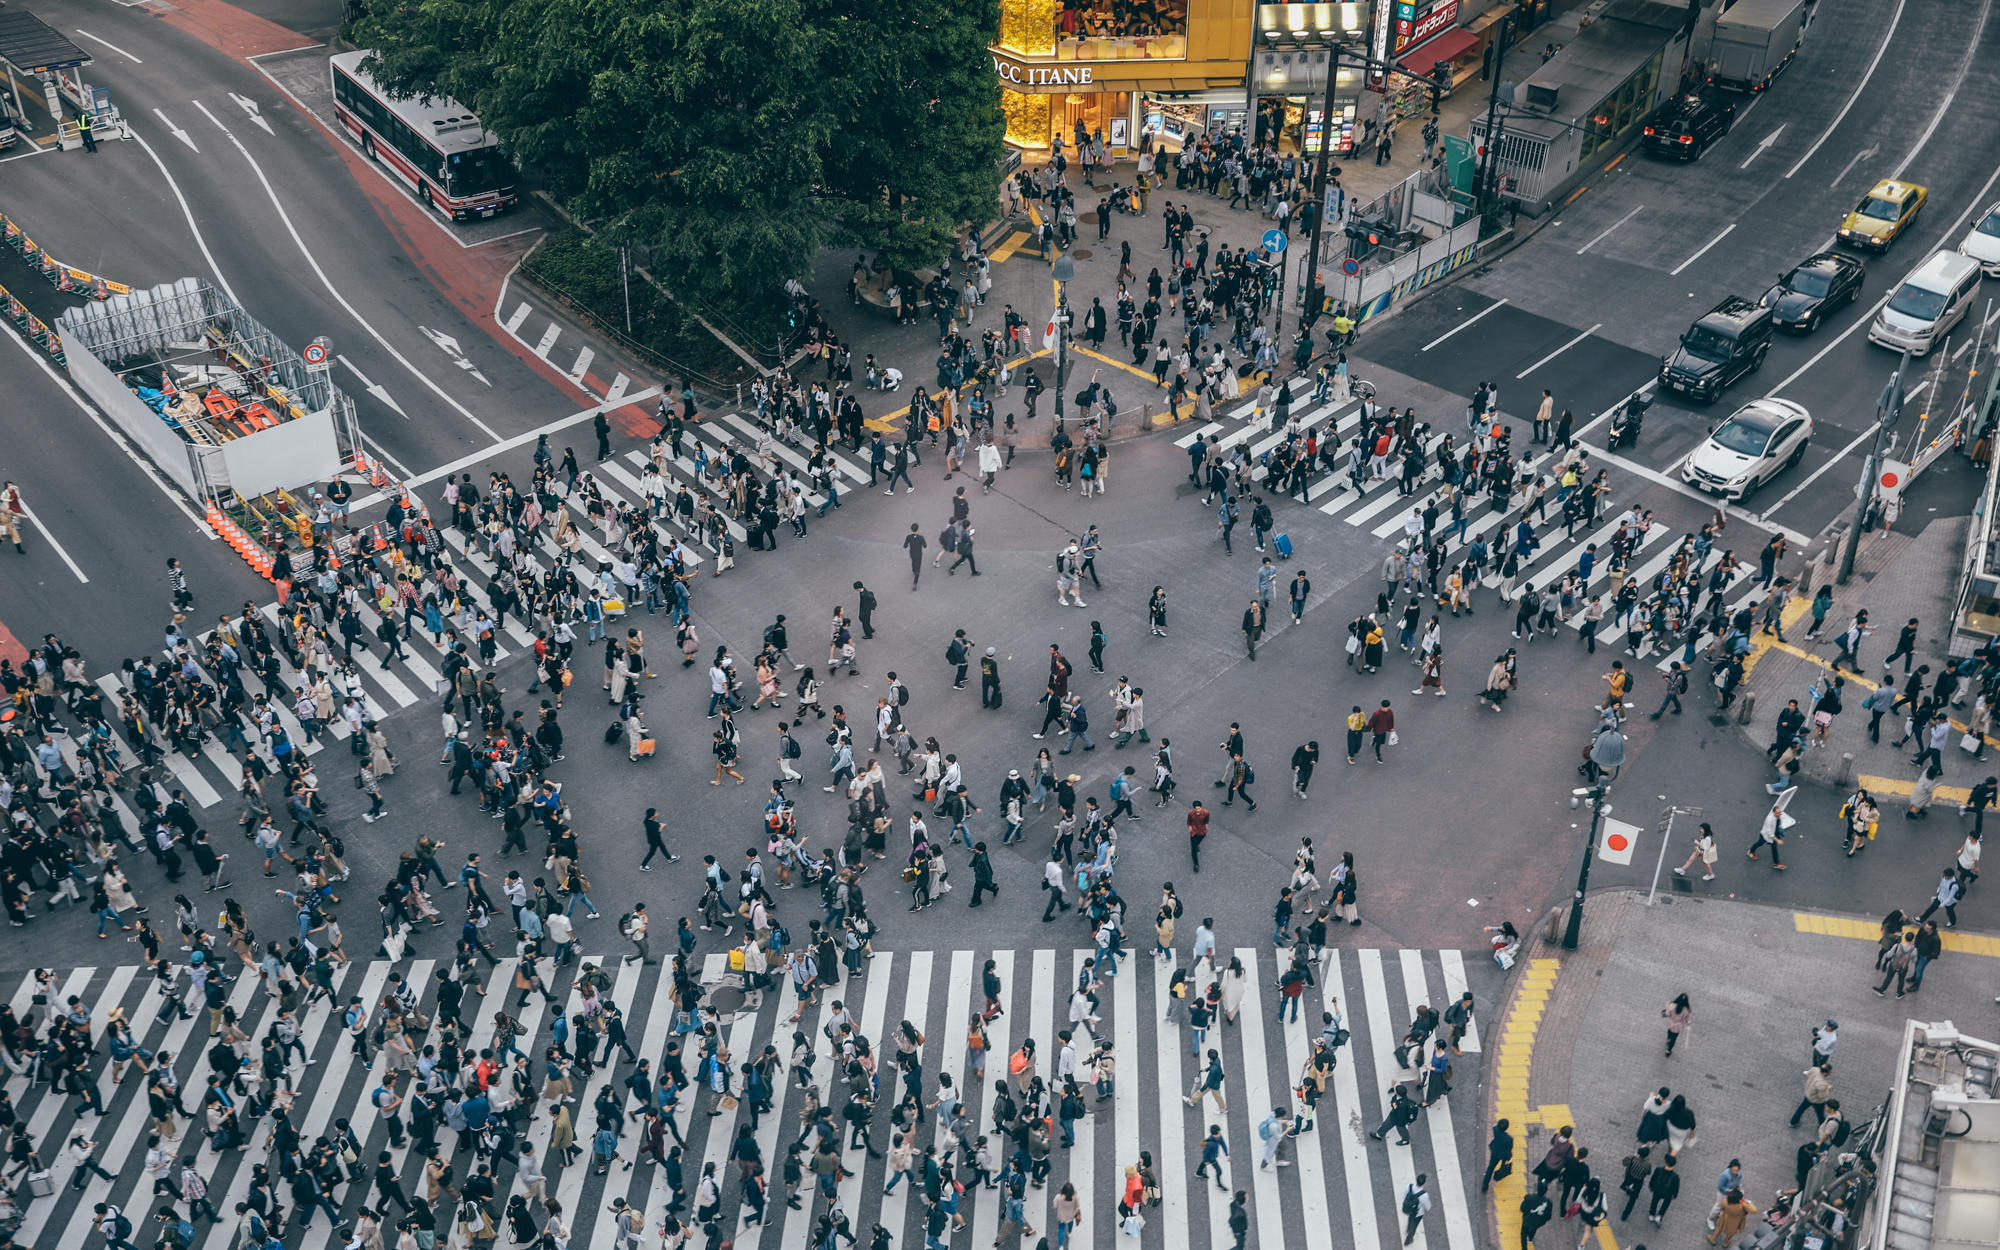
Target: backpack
x: 902, y: 694
x: 625, y: 925
x: 1249, y: 775
x: 954, y: 653
x: 1410, y: 1201
x: 1266, y: 1130
x: 122, y: 1226
x: 792, y: 751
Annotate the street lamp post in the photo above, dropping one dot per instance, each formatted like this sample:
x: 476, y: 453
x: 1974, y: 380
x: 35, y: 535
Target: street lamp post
x: 1314, y: 296
x: 1063, y: 271
x: 1888, y: 409
x: 1574, y: 932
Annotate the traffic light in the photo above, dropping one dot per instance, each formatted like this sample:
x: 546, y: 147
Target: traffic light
x: 1363, y: 237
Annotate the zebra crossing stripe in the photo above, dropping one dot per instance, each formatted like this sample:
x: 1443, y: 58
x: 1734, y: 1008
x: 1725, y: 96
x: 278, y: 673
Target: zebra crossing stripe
x: 1258, y: 1103
x: 1444, y: 1142
x: 1172, y: 1164
x: 1083, y: 1150
x: 986, y: 1213
x: 1382, y: 1030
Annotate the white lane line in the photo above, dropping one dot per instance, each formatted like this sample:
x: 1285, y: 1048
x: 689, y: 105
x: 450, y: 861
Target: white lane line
x: 582, y: 365
x: 50, y: 538
x: 1704, y: 251
x: 1614, y: 225
x: 114, y: 47
x: 1859, y: 87
x: 1581, y: 337
x: 548, y: 340
x: 1493, y: 307
x: 1976, y: 203
x: 520, y: 315
x: 1343, y: 1104
x: 1814, y: 476
x: 1944, y: 105
x: 186, y: 212
x: 340, y: 299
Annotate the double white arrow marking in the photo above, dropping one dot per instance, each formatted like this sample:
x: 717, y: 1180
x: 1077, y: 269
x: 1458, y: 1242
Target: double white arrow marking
x: 375, y: 390
x: 250, y: 107
x: 177, y: 132
x: 450, y: 347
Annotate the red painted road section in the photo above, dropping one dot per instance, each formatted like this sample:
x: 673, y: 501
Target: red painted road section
x: 471, y: 278
x: 11, y: 648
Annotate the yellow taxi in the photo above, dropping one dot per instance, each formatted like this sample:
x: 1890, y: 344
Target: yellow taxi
x: 1883, y: 214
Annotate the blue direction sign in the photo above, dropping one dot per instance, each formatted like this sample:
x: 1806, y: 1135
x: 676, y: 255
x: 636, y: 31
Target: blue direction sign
x: 1274, y: 241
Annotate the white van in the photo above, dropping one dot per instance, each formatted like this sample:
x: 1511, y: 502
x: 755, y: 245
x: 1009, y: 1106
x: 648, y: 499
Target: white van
x: 1928, y: 304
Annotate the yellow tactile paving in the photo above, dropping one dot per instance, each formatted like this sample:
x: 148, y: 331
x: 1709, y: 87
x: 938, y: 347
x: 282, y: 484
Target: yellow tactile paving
x: 1008, y: 248
x: 1870, y: 931
x: 1510, y: 1098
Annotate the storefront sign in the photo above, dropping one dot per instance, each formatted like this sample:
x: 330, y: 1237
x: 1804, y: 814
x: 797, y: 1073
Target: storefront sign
x: 1434, y: 21
x: 1044, y: 75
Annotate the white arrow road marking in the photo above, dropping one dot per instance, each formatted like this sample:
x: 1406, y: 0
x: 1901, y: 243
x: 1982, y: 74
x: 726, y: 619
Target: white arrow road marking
x: 114, y: 47
x: 178, y: 133
x: 1859, y: 157
x: 1762, y: 148
x: 442, y: 339
x: 451, y: 348
x: 375, y: 390
x: 250, y: 107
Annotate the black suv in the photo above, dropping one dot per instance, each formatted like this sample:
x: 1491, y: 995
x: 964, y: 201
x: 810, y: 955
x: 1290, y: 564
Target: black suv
x: 1718, y: 349
x: 1686, y: 126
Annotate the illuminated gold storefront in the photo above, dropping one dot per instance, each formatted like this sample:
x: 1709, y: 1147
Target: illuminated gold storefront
x: 1089, y: 64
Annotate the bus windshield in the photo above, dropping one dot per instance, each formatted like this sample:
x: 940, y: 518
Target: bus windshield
x: 476, y: 173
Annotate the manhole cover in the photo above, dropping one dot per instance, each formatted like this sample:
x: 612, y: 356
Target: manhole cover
x: 1082, y: 253
x: 1090, y: 218
x: 1767, y: 941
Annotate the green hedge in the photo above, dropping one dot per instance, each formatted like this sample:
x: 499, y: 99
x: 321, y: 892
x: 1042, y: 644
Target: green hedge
x: 574, y: 265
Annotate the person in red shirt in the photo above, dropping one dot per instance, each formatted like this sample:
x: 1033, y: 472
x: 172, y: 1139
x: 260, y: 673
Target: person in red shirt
x: 1382, y: 723
x: 1197, y: 822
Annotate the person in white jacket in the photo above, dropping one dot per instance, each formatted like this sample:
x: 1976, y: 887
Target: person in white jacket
x: 989, y: 465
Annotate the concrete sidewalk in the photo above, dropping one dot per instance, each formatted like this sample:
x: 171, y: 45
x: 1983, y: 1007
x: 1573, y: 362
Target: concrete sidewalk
x: 1582, y: 1043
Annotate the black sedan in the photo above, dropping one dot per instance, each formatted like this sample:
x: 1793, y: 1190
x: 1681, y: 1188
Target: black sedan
x: 1814, y: 289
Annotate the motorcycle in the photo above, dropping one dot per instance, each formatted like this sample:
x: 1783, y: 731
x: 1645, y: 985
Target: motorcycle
x: 1627, y: 420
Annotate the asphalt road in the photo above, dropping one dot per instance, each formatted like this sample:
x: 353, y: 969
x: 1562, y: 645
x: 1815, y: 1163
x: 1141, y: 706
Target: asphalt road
x: 1652, y: 244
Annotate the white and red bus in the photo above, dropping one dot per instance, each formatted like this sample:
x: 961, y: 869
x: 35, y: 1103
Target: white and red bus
x: 434, y: 146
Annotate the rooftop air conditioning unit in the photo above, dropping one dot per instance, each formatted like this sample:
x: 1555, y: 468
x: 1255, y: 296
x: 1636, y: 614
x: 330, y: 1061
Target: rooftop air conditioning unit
x: 1541, y: 95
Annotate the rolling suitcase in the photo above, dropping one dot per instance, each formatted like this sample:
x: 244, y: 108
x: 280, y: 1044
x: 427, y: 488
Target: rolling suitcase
x: 1283, y: 542
x: 613, y: 732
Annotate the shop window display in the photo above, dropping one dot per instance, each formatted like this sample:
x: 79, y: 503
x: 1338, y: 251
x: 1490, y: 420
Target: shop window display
x: 1095, y: 30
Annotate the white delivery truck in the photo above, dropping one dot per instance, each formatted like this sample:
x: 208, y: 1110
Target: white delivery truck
x: 1754, y: 41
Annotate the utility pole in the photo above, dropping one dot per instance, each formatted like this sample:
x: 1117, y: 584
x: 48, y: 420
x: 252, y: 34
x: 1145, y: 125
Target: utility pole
x: 1314, y: 295
x: 1488, y: 166
x: 1888, y: 410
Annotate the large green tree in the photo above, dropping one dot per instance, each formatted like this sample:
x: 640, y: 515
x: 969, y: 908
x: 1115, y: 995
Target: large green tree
x: 736, y: 139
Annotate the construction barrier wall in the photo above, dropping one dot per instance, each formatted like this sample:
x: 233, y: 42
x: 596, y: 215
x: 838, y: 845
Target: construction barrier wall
x: 273, y: 459
x: 129, y: 414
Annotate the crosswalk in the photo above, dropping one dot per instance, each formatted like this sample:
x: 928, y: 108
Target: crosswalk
x: 1341, y: 1188
x: 213, y: 775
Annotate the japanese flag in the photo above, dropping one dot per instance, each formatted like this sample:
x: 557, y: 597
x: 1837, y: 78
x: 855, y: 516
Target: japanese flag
x: 1616, y: 842
x: 1049, y: 332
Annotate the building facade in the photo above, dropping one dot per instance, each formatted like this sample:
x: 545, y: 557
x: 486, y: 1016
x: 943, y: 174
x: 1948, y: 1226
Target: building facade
x: 1121, y: 68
